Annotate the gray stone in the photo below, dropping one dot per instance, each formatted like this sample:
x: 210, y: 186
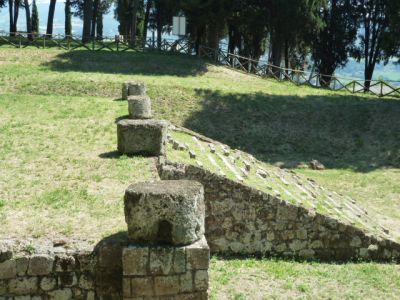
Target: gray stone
x: 186, y: 282
x: 179, y: 260
x: 86, y: 282
x: 3, y: 287
x: 201, y: 280
x: 22, y: 265
x: 65, y: 263
x: 48, y: 283
x: 139, y: 107
x: 355, y: 242
x: 142, y: 286
x: 23, y: 285
x: 307, y: 253
x: 135, y: 260
x: 64, y: 294
x: 90, y: 296
x: 142, y: 137
x: 133, y: 88
x: 40, y: 265
x: 161, y: 260
x: 170, y: 212
x: 68, y: 279
x: 166, y: 285
x: 198, y: 256
x: 26, y: 297
x: 8, y: 269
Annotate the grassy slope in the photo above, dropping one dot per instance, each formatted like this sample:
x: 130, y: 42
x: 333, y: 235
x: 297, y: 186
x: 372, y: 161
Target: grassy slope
x: 59, y: 175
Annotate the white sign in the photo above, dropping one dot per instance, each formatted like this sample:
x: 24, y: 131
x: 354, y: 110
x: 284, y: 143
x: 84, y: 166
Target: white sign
x: 179, y: 26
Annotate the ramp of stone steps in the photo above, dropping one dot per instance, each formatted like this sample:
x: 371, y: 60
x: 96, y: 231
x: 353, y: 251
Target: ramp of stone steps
x: 255, y: 208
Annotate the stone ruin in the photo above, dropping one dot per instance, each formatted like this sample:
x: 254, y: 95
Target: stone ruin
x: 167, y: 254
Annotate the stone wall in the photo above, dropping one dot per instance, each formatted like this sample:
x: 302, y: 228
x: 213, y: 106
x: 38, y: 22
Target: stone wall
x: 61, y: 273
x: 166, y: 272
x: 243, y: 220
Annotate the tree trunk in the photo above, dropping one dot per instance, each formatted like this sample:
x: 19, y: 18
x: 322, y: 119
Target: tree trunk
x: 369, y: 71
x: 28, y: 19
x: 99, y: 27
x: 11, y: 15
x: 276, y: 54
x: 87, y: 19
x: 134, y: 23
x: 50, y: 18
x: 68, y: 26
x: 287, y: 57
x: 94, y: 18
x: 146, y: 21
x: 159, y: 29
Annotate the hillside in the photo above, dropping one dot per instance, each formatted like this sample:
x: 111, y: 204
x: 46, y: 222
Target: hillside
x: 60, y: 172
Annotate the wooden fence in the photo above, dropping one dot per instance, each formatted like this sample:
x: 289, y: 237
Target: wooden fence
x: 264, y: 69
x: 260, y: 68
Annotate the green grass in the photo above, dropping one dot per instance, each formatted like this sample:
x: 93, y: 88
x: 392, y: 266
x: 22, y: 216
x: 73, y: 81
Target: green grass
x: 277, y: 279
x: 60, y: 175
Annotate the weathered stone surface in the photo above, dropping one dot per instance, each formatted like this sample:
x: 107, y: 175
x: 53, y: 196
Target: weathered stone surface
x: 68, y: 279
x: 169, y: 212
x: 48, y: 283
x: 23, y: 285
x: 243, y: 220
x: 63, y: 294
x: 3, y: 287
x: 139, y: 107
x: 201, y: 280
x: 192, y: 296
x: 22, y: 265
x: 186, y: 282
x: 40, y: 265
x: 179, y: 260
x: 161, y: 260
x: 8, y: 269
x: 146, y: 137
x: 86, y: 282
x: 65, y: 263
x: 166, y: 285
x: 135, y: 260
x: 133, y: 88
x: 198, y: 256
x: 142, y: 286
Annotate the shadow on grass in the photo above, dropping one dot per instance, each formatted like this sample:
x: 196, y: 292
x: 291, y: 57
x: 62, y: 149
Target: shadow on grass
x: 128, y: 63
x: 341, y: 131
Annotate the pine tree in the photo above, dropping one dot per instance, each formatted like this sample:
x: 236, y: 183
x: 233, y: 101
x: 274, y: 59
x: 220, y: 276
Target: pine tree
x: 332, y: 45
x: 35, y: 18
x: 68, y: 15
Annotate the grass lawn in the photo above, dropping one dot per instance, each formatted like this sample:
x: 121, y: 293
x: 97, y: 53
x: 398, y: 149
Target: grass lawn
x: 59, y: 175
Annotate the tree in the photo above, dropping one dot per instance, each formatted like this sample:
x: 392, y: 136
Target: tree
x: 68, y: 15
x: 87, y: 20
x: 13, y: 9
x: 35, y: 18
x: 290, y: 23
x: 374, y: 36
x: 130, y: 13
x: 332, y: 45
x: 50, y: 18
x: 28, y: 19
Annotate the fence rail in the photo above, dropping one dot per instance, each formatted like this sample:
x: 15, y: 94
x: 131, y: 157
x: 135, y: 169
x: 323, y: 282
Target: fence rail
x: 260, y: 68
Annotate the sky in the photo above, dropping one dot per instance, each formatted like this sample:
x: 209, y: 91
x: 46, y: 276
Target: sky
x: 110, y: 28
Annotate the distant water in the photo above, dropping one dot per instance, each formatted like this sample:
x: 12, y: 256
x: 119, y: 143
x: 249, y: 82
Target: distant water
x: 352, y: 70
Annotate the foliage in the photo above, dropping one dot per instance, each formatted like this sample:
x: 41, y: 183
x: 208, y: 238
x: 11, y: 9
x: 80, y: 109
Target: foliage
x: 35, y: 18
x: 332, y: 45
x: 68, y: 15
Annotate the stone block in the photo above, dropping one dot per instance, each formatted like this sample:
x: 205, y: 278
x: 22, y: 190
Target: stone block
x: 23, y: 285
x: 22, y: 265
x: 40, y: 265
x: 63, y: 294
x: 133, y: 88
x: 186, y: 282
x: 126, y: 287
x: 198, y: 255
x: 86, y: 282
x: 166, y: 285
x: 142, y: 286
x: 161, y: 260
x: 3, y: 287
x: 111, y: 255
x: 179, y: 266
x: 192, y: 296
x: 168, y: 212
x: 147, y: 137
x: 65, y: 263
x: 48, y: 283
x: 68, y: 279
x: 139, y: 107
x: 25, y: 297
x: 201, y: 280
x: 8, y: 269
x: 135, y: 260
